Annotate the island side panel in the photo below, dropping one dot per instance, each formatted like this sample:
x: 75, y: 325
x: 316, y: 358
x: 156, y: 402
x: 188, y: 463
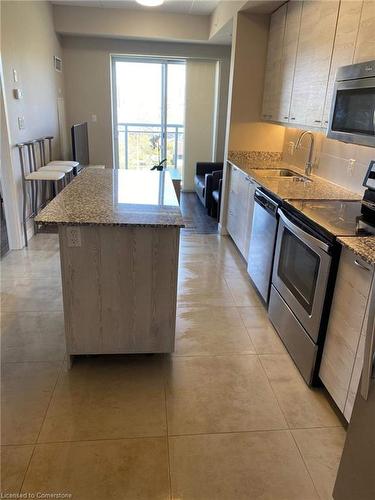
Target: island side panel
x: 132, y: 283
x: 80, y: 277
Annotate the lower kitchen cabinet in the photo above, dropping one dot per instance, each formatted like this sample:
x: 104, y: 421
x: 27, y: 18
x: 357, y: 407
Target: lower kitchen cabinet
x: 240, y: 208
x: 343, y: 349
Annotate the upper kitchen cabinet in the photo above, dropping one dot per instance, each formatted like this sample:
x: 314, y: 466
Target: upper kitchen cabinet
x: 317, y: 34
x: 288, y: 60
x: 344, y: 46
x: 273, y: 65
x: 365, y: 48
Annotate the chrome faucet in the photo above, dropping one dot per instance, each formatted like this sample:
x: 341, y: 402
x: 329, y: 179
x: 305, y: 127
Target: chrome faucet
x: 309, y: 163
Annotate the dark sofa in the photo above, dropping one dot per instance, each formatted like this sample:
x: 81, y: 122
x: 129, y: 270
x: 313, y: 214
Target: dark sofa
x: 204, y: 181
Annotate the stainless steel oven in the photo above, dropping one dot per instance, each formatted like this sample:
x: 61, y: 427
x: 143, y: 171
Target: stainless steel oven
x: 352, y: 116
x: 301, y: 274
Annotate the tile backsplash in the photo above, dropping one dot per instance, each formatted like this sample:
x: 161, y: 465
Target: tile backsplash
x: 266, y: 156
x: 331, y: 159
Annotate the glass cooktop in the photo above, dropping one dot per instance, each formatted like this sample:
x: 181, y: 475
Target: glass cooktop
x: 340, y: 218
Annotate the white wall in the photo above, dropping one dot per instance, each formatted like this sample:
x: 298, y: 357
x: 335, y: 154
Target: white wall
x: 88, y: 84
x: 28, y: 44
x: 249, y: 53
x: 199, y: 117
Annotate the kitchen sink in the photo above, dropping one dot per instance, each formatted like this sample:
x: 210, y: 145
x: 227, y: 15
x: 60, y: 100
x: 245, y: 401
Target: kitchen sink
x: 281, y: 172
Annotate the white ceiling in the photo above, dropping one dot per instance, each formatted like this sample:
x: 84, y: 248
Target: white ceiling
x: 196, y: 7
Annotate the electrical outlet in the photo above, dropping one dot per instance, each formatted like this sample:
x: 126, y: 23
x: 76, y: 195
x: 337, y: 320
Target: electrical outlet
x: 350, y: 166
x: 94, y: 118
x: 21, y: 122
x: 291, y: 148
x: 73, y: 234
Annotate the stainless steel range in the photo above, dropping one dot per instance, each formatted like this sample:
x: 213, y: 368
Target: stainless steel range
x: 304, y: 272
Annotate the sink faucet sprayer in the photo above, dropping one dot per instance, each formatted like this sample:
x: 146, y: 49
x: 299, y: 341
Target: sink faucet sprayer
x: 309, y: 163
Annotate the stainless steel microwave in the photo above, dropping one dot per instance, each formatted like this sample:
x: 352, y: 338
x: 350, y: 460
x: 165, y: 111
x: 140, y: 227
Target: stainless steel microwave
x: 352, y: 117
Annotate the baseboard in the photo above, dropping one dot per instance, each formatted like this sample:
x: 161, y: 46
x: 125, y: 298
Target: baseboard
x: 222, y: 229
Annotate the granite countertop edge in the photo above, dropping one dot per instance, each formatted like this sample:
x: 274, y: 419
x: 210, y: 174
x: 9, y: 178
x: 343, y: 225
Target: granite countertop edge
x: 362, y: 246
x: 110, y: 224
x: 88, y: 201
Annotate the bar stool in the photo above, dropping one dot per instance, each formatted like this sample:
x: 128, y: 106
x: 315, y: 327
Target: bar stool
x: 33, y: 176
x: 58, y: 163
x: 53, y: 166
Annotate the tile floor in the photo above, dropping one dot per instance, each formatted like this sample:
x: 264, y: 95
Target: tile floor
x: 226, y: 417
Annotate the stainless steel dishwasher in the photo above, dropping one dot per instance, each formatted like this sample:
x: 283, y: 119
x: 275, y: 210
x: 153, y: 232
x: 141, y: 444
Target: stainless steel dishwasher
x: 262, y: 242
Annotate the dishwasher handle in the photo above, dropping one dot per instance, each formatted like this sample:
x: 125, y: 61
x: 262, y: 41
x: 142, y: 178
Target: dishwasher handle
x: 266, y: 202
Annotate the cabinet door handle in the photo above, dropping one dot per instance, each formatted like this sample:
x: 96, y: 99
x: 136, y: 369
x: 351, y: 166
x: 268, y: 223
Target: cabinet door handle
x: 317, y: 121
x: 286, y: 117
x: 362, y: 266
x: 293, y: 118
x: 326, y: 121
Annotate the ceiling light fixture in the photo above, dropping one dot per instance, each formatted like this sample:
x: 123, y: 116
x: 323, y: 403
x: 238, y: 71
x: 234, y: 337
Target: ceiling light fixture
x: 150, y: 3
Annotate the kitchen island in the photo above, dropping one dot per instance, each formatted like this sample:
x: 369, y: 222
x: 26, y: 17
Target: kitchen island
x: 119, y: 242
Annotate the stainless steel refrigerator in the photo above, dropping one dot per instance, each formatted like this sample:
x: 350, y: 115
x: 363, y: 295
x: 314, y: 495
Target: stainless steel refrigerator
x: 356, y: 475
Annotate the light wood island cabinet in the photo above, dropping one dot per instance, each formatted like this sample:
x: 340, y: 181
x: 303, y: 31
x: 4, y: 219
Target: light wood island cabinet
x: 119, y: 242
x: 343, y: 349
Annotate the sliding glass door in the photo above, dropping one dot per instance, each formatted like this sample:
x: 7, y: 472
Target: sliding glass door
x: 148, y: 112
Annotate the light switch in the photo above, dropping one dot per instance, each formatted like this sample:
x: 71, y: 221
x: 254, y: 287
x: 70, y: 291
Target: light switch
x: 21, y: 122
x: 94, y: 118
x: 15, y: 76
x: 17, y: 93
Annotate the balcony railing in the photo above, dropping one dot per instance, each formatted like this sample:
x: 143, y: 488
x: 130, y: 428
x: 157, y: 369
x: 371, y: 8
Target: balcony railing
x: 139, y: 145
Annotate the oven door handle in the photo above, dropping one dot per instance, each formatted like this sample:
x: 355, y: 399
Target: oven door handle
x: 302, y: 235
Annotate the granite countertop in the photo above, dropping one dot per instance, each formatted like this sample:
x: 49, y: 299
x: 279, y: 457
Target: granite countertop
x: 363, y: 246
x: 116, y: 198
x: 287, y: 188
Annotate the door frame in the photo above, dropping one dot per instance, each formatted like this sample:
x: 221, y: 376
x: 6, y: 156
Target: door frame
x: 7, y: 176
x: 164, y: 97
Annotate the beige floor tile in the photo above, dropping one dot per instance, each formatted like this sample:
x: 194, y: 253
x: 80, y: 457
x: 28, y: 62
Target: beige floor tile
x: 26, y: 392
x: 302, y: 406
x: 31, y: 264
x: 191, y: 293
x: 211, y: 330
x: 321, y: 450
x: 101, y: 470
x: 14, y: 462
x: 43, y: 242
x: 32, y: 337
x: 220, y: 394
x: 254, y: 465
x: 261, y: 331
x: 199, y: 274
x: 254, y: 317
x: 243, y: 292
x: 31, y: 295
x: 266, y: 340
x: 108, y: 398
